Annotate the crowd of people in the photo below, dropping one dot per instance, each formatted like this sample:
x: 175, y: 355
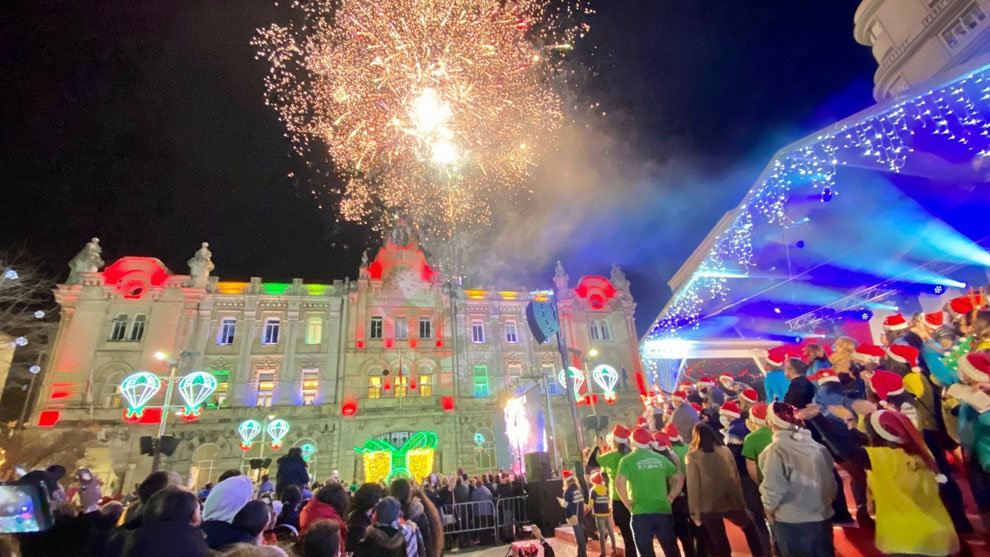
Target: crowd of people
x: 898, y: 419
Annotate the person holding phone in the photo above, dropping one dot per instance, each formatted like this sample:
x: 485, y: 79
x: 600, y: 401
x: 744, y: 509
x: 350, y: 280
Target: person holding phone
x: 71, y: 534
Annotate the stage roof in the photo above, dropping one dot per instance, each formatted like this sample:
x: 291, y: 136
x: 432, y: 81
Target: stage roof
x: 888, y: 204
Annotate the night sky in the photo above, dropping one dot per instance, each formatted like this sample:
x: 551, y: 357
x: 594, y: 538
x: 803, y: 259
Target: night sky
x: 143, y: 123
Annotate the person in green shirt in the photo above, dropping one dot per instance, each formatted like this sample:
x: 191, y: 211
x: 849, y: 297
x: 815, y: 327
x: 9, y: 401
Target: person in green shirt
x: 642, y: 485
x: 758, y: 439
x: 610, y: 466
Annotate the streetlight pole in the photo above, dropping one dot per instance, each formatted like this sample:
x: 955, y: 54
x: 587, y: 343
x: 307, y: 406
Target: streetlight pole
x: 568, y: 380
x: 173, y: 366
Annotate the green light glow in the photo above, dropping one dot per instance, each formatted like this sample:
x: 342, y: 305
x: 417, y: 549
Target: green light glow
x: 275, y: 287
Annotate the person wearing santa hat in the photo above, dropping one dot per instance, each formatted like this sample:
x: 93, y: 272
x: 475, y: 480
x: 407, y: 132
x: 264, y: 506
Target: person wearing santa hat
x: 903, y: 477
x: 830, y: 391
x: 715, y: 493
x: 648, y: 483
x: 610, y: 466
x: 685, y: 415
x: 974, y: 426
x: 775, y: 382
x: 730, y: 416
x: 797, y: 487
x: 894, y: 327
x: 746, y: 399
x: 602, y: 511
x: 758, y: 439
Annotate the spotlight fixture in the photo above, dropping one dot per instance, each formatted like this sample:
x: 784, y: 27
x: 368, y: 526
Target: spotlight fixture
x: 776, y: 310
x: 800, y: 244
x: 827, y: 195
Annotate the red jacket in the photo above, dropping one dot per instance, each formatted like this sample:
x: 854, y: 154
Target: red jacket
x: 318, y: 510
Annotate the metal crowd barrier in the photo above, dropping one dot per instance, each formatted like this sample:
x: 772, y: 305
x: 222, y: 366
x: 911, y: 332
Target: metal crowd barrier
x: 511, y: 512
x: 460, y: 519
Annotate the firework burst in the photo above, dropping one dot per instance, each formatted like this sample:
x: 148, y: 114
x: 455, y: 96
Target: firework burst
x: 431, y: 108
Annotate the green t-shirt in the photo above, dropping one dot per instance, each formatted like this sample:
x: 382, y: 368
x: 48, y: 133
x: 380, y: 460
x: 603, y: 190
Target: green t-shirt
x: 754, y: 443
x: 681, y: 450
x: 646, y: 475
x: 610, y: 464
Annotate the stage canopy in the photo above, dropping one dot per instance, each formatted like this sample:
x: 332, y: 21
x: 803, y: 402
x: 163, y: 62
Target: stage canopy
x: 867, y: 216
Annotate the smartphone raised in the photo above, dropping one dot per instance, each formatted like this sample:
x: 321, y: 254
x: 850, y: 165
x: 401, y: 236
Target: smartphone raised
x: 24, y: 508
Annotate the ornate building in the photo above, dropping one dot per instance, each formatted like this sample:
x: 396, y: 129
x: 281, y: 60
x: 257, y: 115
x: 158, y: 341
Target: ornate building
x: 394, y: 352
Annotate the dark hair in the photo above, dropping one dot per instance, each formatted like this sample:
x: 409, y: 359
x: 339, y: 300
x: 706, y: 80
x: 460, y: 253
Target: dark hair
x: 264, y: 478
x: 401, y: 490
x: 704, y: 438
x: 295, y: 451
x: 334, y: 495
x: 171, y: 504
x: 798, y: 365
x: 365, y: 499
x: 155, y: 482
x: 208, y: 486
x: 253, y: 517
x: 228, y: 474
x: 433, y: 517
x: 291, y: 496
x: 322, y: 539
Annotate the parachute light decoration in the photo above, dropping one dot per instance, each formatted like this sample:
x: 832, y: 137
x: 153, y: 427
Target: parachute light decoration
x: 137, y: 389
x: 248, y: 430
x: 577, y: 375
x: 308, y: 450
x: 195, y: 388
x: 606, y: 377
x: 277, y: 430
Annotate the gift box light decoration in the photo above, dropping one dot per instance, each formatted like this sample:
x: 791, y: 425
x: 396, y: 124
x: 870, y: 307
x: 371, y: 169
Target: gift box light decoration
x: 248, y: 430
x: 382, y: 460
x: 308, y: 450
x: 137, y: 389
x: 277, y: 430
x: 577, y: 375
x: 194, y: 389
x: 606, y: 378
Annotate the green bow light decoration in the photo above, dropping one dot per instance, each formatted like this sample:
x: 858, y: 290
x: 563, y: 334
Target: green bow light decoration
x: 414, y: 459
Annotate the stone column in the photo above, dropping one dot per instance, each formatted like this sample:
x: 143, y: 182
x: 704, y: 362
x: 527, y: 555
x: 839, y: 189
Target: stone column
x: 288, y: 388
x: 247, y: 330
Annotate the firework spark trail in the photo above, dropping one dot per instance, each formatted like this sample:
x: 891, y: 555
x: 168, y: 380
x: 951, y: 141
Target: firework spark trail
x: 432, y: 108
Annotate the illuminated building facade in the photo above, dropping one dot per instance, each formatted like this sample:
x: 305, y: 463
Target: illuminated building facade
x: 395, y: 352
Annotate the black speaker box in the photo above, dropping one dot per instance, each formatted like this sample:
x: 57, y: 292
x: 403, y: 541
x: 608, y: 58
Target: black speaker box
x: 169, y: 444
x: 538, y: 466
x: 596, y: 423
x: 542, y: 506
x: 541, y: 319
x: 147, y: 445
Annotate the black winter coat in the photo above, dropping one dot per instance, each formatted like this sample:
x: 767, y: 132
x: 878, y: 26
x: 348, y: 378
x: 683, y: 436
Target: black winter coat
x: 291, y: 471
x: 166, y: 539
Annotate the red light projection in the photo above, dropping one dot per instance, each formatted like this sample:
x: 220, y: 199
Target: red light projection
x: 447, y: 403
x: 134, y: 275
x: 349, y: 408
x: 596, y: 290
x: 48, y: 418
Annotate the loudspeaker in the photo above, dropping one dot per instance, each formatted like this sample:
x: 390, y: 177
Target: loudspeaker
x: 255, y: 463
x: 597, y: 423
x: 168, y: 444
x: 538, y: 466
x: 147, y: 445
x: 541, y: 319
x: 542, y: 505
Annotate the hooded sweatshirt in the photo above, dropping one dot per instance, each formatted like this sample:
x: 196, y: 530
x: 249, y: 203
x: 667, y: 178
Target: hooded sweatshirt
x: 797, y: 478
x: 684, y: 417
x: 223, y: 502
x: 383, y: 541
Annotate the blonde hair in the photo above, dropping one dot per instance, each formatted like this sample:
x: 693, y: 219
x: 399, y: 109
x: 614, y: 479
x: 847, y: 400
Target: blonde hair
x: 845, y: 344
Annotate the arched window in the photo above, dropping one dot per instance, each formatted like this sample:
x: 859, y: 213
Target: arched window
x: 137, y: 328
x: 205, y: 465
x: 484, y: 458
x: 110, y: 394
x: 118, y: 329
x: 311, y: 461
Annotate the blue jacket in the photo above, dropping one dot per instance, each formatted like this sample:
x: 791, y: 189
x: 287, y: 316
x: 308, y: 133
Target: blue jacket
x: 775, y: 384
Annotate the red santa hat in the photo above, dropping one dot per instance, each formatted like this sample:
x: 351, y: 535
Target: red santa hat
x: 886, y: 425
x: 777, y: 355
x: 758, y: 413
x: 730, y: 409
x: 750, y: 396
x: 886, y: 384
x: 895, y: 322
x: 641, y: 438
x: 904, y: 354
x: 783, y: 415
x: 567, y: 474
x: 697, y: 407
x: 868, y: 353
x: 597, y: 478
x: 672, y: 432
x: 975, y: 366
x: 620, y: 433
x: 641, y: 422
x: 726, y: 379
x: 897, y: 428
x: 825, y: 375
x: 679, y: 396
x: 705, y: 381
x: 660, y: 440
x: 686, y: 386
x: 934, y: 320
x: 964, y: 304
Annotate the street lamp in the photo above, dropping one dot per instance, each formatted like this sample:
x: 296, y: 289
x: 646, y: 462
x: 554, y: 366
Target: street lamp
x: 140, y: 387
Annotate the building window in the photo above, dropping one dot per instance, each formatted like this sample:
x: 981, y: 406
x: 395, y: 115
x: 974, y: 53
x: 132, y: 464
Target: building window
x: 376, y: 327
x: 219, y: 398
x: 553, y: 387
x: 401, y: 385
x: 425, y: 327
x: 314, y: 330
x: 375, y: 386
x: 480, y: 381
x: 137, y: 328
x: 226, y: 334
x: 512, y: 374
x: 111, y: 394
x: 401, y: 329
x: 118, y: 331
x: 425, y: 385
x: 270, y: 334
x: 266, y: 388
x: 964, y: 25
x: 599, y: 330
x: 511, y: 333
x: 310, y: 385
x: 477, y: 332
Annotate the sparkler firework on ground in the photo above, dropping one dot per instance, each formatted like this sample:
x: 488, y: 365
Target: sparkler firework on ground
x: 430, y: 108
